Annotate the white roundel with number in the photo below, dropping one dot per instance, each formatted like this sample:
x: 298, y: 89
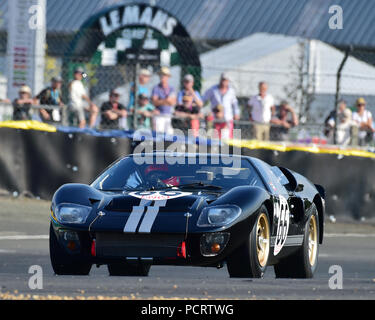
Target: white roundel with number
x: 281, y: 215
x: 159, y: 195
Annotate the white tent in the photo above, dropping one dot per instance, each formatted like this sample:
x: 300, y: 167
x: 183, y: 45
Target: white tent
x: 272, y: 58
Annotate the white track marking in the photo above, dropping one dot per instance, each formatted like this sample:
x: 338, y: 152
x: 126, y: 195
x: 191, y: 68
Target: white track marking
x: 7, y: 251
x: 25, y: 237
x: 349, y: 235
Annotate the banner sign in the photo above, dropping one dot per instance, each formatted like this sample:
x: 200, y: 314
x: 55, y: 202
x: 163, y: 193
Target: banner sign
x: 26, y: 45
x: 114, y: 35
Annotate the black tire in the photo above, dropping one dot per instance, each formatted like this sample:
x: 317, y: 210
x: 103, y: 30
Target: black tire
x: 244, y: 262
x: 124, y: 269
x: 63, y: 263
x: 298, y: 265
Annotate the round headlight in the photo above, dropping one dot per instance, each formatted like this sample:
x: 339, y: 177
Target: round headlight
x: 218, y: 216
x: 72, y: 213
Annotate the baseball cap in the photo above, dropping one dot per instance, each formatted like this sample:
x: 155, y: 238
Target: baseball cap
x: 142, y: 96
x: 56, y: 79
x: 25, y: 89
x: 165, y: 71
x: 145, y: 72
x: 360, y: 101
x: 224, y: 76
x: 189, y: 78
x: 79, y: 70
x: 114, y: 92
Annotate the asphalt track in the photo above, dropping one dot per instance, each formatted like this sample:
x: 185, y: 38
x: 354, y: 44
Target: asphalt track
x: 24, y: 242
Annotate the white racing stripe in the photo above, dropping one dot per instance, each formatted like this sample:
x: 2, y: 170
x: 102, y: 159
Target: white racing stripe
x: 135, y: 216
x: 150, y: 216
x: 25, y: 237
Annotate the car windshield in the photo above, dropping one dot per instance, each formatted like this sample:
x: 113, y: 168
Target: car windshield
x: 280, y: 176
x: 215, y: 174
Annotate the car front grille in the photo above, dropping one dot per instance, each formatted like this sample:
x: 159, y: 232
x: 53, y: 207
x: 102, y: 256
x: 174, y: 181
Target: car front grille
x: 137, y: 245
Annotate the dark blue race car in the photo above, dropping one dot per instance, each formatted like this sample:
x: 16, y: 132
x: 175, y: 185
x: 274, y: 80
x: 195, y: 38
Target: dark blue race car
x: 189, y: 209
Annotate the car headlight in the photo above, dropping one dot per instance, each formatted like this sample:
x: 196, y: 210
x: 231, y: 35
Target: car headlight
x: 72, y: 213
x: 218, y: 216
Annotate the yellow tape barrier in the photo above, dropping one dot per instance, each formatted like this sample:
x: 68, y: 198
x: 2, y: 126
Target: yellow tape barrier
x: 284, y: 147
x: 27, y: 125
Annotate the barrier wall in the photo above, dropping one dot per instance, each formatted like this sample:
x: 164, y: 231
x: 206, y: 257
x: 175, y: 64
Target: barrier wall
x: 348, y: 181
x: 40, y: 162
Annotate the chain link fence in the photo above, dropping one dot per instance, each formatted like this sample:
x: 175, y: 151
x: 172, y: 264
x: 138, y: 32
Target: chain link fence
x: 303, y: 73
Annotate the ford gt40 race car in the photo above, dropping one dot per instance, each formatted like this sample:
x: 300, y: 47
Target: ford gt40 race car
x: 223, y: 210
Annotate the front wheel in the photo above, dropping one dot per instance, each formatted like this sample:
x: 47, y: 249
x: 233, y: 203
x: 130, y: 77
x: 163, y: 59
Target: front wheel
x: 250, y: 260
x: 62, y: 262
x: 303, y: 263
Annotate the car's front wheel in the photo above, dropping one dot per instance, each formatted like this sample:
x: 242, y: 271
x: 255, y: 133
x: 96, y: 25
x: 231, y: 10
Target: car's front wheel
x: 250, y: 260
x: 62, y: 262
x: 303, y: 263
x: 126, y: 269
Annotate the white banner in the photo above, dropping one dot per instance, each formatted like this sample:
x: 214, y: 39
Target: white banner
x: 26, y: 45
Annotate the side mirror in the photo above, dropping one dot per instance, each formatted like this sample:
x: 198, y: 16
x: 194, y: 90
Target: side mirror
x: 299, y: 187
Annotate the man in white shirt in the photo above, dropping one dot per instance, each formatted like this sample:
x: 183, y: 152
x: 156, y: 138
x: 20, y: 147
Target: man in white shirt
x: 78, y: 98
x: 262, y: 108
x: 363, y: 120
x: 224, y: 105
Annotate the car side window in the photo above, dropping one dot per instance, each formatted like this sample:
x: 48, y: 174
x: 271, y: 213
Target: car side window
x: 273, y: 184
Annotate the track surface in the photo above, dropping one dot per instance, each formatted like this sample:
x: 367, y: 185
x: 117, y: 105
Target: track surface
x: 352, y: 246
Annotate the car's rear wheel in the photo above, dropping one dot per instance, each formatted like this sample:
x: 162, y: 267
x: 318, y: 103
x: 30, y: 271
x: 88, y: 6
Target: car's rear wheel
x: 62, y: 262
x: 303, y: 263
x: 250, y: 260
x: 140, y: 269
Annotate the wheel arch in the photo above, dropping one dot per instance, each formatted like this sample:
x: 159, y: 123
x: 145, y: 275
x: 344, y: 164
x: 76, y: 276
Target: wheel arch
x: 320, y: 208
x: 268, y: 204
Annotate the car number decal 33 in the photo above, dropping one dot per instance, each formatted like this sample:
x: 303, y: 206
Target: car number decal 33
x: 281, y: 213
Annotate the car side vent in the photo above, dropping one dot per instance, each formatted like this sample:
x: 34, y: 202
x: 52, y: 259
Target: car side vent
x: 92, y: 201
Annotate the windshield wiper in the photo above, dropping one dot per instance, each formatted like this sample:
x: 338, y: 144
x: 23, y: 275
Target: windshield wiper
x: 197, y: 185
x: 118, y: 190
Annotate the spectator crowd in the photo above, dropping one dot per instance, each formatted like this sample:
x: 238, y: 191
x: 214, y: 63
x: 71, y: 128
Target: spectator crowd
x: 164, y: 109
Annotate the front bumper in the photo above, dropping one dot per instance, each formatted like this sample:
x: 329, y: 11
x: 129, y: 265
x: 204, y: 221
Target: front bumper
x: 160, y: 248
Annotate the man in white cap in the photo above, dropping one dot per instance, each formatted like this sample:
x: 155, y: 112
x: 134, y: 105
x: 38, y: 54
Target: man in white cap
x: 22, y: 105
x: 224, y: 105
x: 164, y: 99
x: 78, y: 98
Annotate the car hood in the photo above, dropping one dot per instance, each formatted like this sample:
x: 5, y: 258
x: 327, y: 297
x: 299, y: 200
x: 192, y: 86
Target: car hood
x: 151, y: 211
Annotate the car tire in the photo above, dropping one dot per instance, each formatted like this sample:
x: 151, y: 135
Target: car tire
x: 63, y: 263
x: 303, y: 263
x: 130, y: 270
x: 250, y: 259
